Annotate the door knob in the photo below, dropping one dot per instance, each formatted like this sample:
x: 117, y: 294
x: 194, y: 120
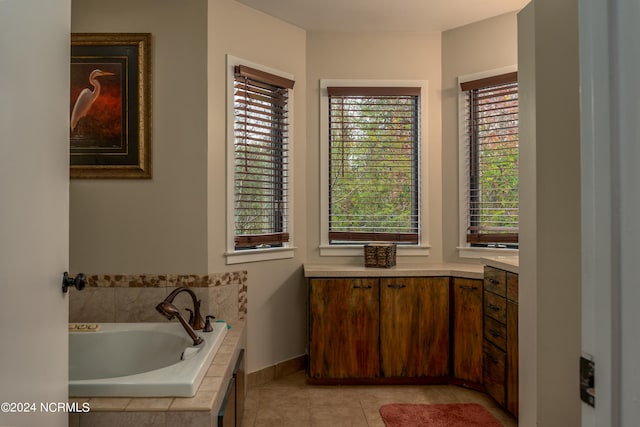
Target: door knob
x: 79, y: 281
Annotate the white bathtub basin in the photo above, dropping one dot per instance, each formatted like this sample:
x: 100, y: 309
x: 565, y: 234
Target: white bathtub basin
x: 140, y: 359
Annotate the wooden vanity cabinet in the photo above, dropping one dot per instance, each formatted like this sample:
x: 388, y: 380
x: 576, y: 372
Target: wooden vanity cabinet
x: 467, y: 331
x: 386, y: 328
x: 414, y: 327
x: 344, y: 328
x: 500, y: 347
x: 512, y: 344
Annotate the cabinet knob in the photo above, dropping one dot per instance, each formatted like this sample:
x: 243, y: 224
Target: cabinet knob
x: 493, y: 307
x: 494, y: 333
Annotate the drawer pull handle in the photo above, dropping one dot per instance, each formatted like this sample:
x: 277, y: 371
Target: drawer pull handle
x: 361, y: 286
x: 493, y: 281
x: 494, y: 332
x: 492, y: 359
x: 469, y: 288
x: 493, y: 307
x: 396, y: 286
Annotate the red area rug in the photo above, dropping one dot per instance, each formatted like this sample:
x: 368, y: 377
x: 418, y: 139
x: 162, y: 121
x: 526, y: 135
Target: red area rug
x: 438, y: 415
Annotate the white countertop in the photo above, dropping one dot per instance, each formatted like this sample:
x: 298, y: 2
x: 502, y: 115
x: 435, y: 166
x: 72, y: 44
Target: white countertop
x: 508, y: 263
x: 469, y: 271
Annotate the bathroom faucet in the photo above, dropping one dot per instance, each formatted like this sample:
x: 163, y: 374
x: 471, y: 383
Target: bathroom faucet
x: 167, y: 309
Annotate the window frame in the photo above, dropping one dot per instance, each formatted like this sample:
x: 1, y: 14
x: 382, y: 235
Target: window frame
x: 465, y: 250
x: 233, y: 255
x: 356, y: 249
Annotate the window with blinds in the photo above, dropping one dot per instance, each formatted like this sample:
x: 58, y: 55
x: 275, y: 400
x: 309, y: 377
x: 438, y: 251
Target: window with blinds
x: 373, y: 164
x: 261, y: 158
x: 492, y: 140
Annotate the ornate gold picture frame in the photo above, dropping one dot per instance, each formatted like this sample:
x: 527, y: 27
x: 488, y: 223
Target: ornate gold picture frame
x: 110, y: 105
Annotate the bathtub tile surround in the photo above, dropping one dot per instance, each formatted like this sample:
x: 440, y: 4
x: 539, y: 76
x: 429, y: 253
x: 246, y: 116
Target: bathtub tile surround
x: 138, y: 304
x: 133, y: 297
x: 199, y: 410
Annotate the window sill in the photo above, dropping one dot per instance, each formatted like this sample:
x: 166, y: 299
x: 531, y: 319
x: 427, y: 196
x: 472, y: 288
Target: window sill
x: 256, y: 255
x: 467, y: 252
x: 358, y: 250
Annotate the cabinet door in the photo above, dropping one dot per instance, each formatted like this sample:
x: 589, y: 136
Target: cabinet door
x: 227, y: 413
x: 414, y: 327
x: 344, y: 328
x: 512, y: 358
x: 467, y: 329
x: 494, y: 364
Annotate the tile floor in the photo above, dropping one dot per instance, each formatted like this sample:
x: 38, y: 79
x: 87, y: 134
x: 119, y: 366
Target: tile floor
x: 289, y: 401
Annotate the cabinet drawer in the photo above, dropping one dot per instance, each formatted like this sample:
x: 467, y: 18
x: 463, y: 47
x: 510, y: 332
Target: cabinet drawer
x: 495, y: 332
x: 495, y: 281
x: 494, y: 372
x: 495, y: 306
x: 512, y: 287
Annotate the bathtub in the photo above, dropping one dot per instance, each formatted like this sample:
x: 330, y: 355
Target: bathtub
x: 139, y: 359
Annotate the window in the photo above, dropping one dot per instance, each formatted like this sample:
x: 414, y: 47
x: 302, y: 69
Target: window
x: 491, y: 165
x: 260, y: 133
x: 373, y: 154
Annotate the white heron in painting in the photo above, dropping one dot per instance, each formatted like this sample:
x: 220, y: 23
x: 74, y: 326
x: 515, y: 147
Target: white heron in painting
x: 87, y: 97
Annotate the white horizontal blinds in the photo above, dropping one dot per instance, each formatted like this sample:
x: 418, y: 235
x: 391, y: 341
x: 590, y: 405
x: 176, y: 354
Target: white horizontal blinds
x: 261, y: 158
x: 373, y: 164
x: 492, y: 132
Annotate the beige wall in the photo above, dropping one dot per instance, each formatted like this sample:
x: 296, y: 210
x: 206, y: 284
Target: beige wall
x: 550, y: 263
x: 276, y: 328
x: 158, y: 225
x: 473, y: 48
x: 527, y: 326
x: 408, y: 56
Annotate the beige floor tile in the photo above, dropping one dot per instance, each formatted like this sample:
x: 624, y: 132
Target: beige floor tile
x: 289, y: 401
x: 344, y: 396
x: 335, y: 416
x: 282, y: 415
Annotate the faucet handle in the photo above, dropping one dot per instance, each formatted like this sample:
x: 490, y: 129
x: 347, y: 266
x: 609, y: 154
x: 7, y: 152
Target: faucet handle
x: 207, y: 324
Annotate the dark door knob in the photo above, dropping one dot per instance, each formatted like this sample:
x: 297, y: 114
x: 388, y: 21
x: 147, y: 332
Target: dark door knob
x: 79, y: 281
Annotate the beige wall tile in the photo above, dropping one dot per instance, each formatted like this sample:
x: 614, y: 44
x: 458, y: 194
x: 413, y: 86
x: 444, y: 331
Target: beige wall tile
x: 92, y: 305
x: 190, y: 419
x: 138, y: 304
x: 122, y: 419
x: 149, y: 404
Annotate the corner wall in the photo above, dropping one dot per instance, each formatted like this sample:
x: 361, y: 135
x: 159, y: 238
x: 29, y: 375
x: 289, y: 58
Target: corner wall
x: 276, y: 326
x: 550, y: 279
x: 473, y: 48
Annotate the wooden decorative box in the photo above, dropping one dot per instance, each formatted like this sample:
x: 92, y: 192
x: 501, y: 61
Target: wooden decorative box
x: 382, y: 255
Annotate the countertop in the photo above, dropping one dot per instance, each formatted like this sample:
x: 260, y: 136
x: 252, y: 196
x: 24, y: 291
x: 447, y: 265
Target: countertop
x: 508, y: 263
x: 468, y: 271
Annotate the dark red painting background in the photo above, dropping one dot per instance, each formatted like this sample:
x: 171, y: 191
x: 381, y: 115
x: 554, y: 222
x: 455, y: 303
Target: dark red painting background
x: 102, y: 126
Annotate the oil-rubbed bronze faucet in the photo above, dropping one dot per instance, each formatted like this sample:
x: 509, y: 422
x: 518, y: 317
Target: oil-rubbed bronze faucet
x: 167, y: 309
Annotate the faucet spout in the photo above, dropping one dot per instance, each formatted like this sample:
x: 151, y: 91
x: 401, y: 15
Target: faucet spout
x: 167, y: 309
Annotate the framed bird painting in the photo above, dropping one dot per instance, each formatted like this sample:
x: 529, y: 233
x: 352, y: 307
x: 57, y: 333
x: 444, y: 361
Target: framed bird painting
x: 110, y: 105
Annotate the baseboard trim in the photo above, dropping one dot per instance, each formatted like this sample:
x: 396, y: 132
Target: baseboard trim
x: 277, y: 371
